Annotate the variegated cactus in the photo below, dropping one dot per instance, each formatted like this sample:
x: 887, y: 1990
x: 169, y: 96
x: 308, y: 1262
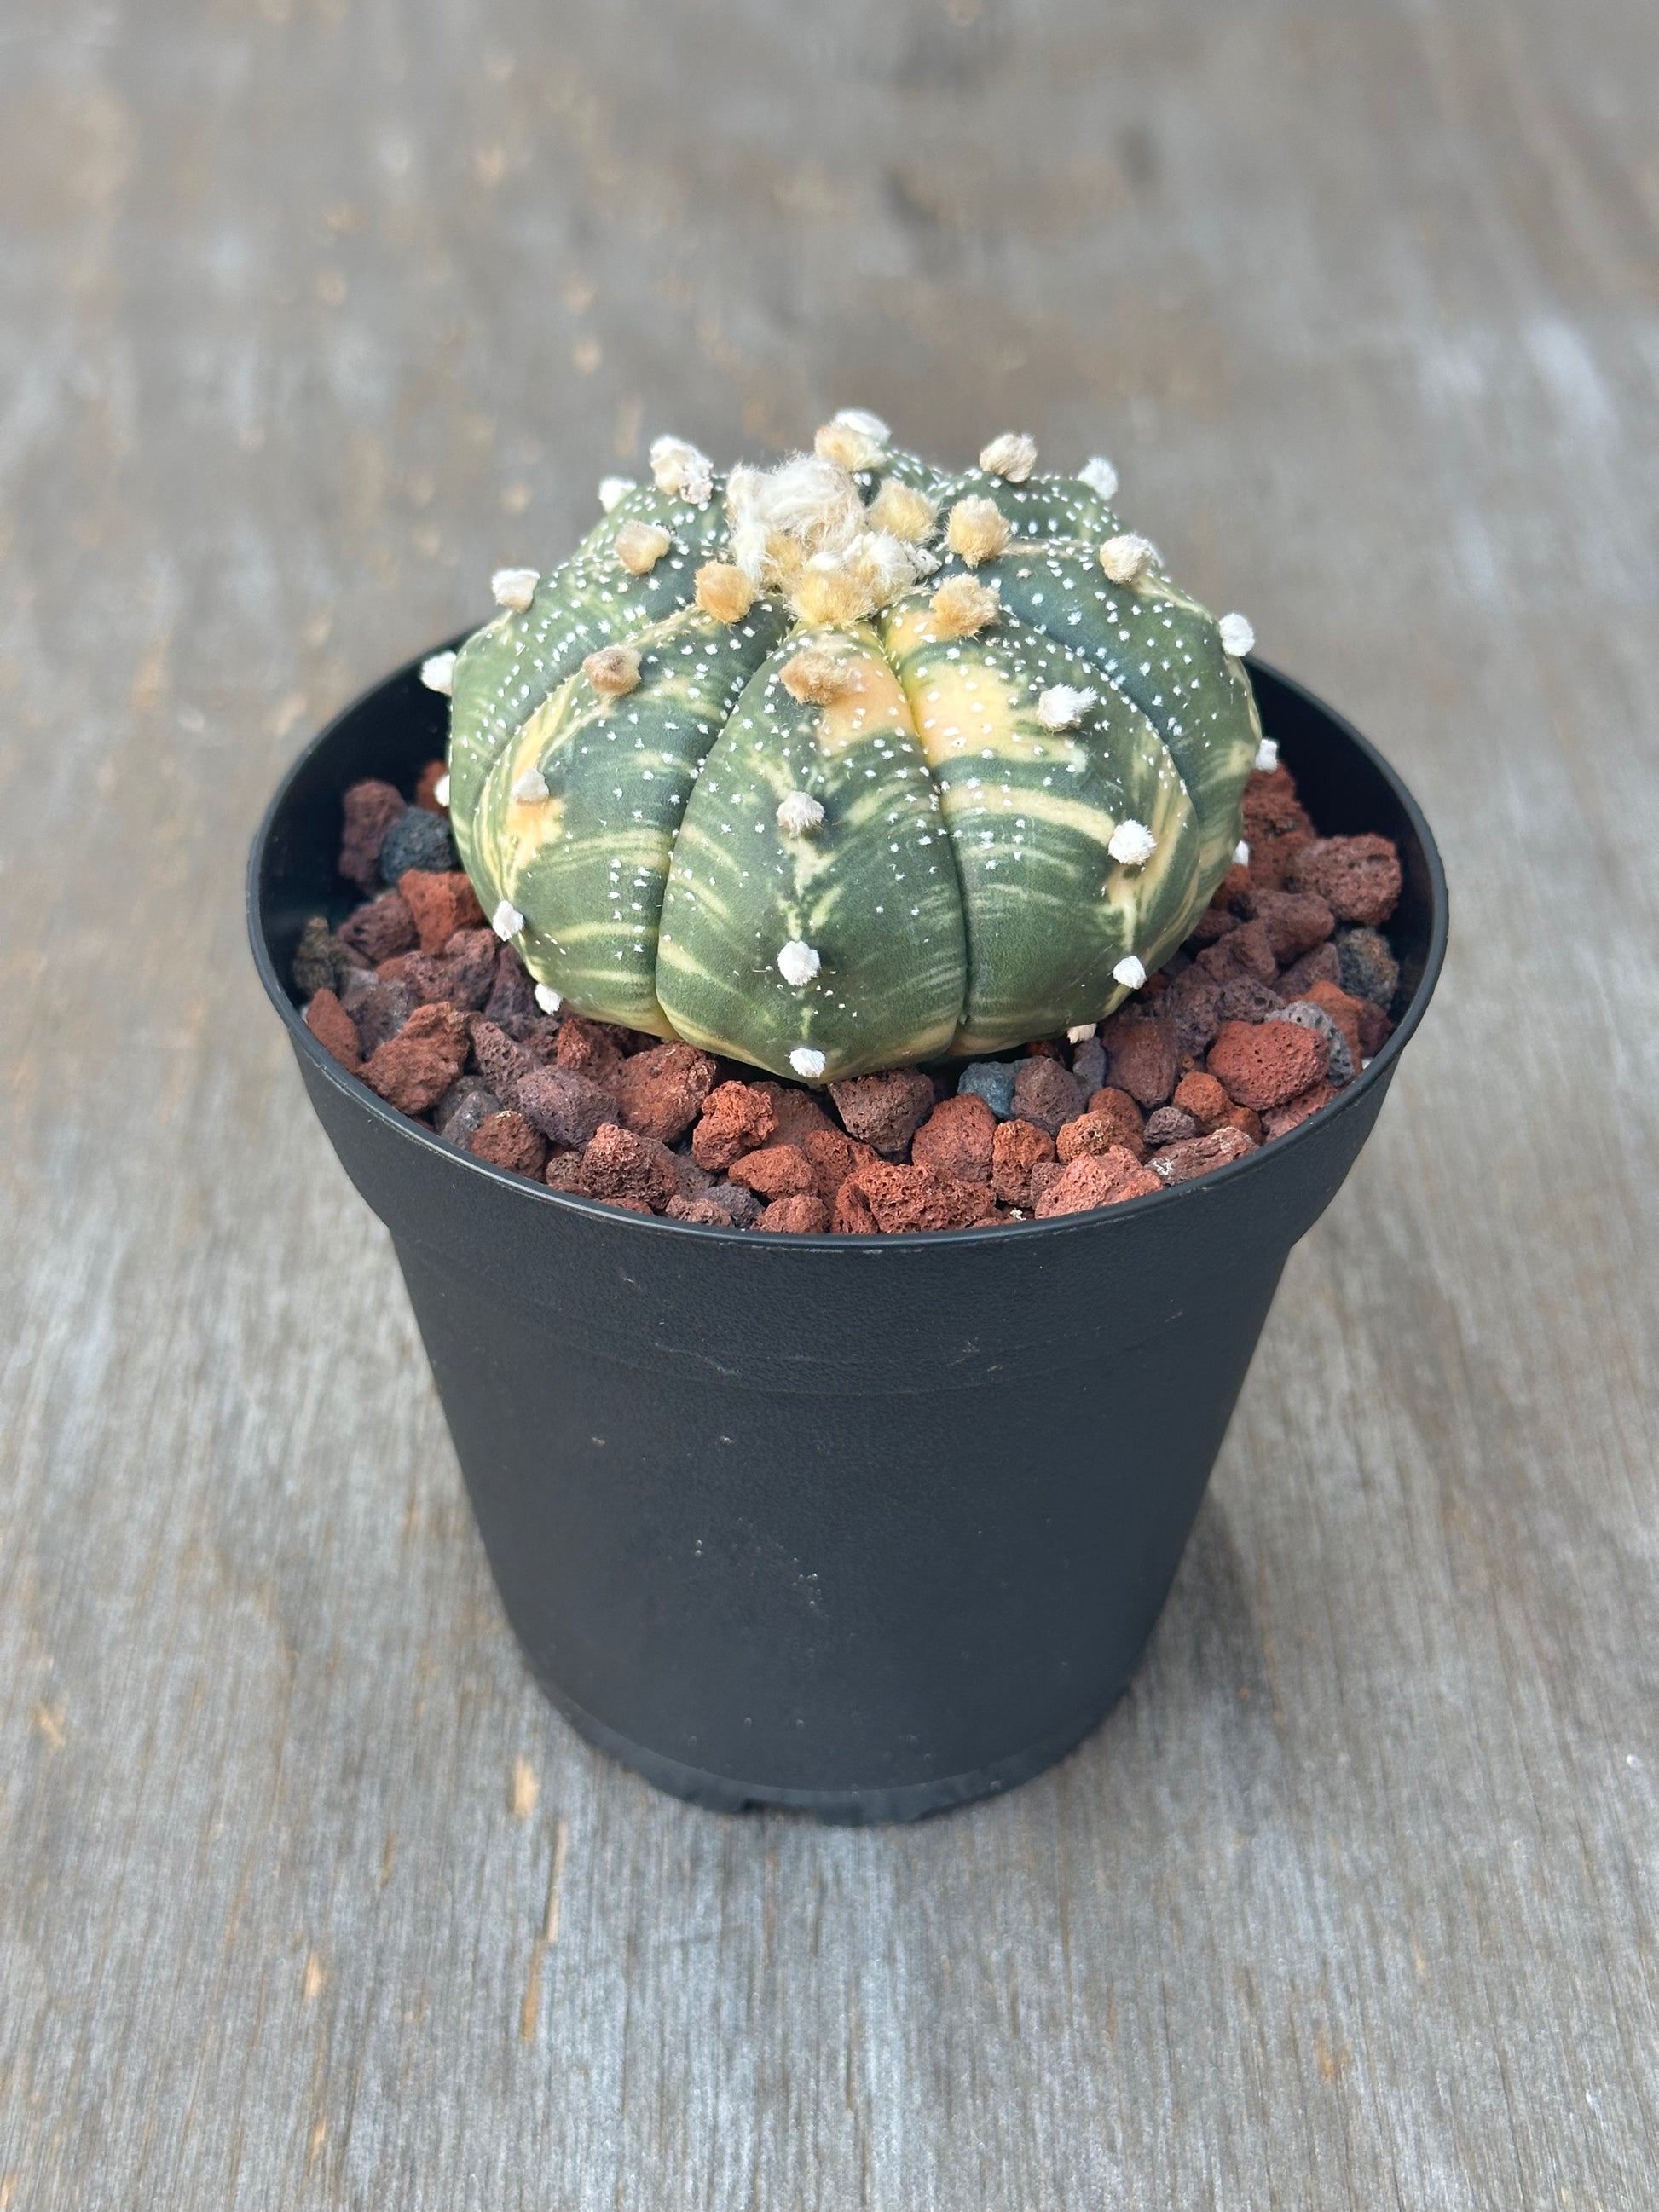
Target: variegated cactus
x: 849, y: 763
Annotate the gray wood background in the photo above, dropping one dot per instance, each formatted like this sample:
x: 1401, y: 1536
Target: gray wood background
x: 313, y: 311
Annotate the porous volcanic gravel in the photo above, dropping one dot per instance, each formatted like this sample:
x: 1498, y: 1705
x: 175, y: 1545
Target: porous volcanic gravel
x: 1285, y: 988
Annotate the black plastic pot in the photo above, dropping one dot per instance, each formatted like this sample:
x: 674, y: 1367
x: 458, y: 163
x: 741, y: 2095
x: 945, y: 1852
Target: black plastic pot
x: 865, y: 1526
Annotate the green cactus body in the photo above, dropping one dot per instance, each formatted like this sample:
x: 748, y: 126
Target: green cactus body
x: 507, y: 670
x: 851, y: 814
x: 877, y: 872
x: 1044, y: 507
x: 1162, y: 650
x: 586, y: 864
x: 1030, y: 813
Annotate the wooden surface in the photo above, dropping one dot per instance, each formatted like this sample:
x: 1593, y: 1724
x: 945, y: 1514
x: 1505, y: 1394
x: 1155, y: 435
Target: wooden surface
x: 313, y: 311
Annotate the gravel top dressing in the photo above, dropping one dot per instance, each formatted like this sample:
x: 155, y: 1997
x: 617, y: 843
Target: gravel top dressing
x: 1281, y: 991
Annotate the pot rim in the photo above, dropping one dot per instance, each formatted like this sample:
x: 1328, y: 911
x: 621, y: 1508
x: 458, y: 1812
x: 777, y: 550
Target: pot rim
x: 1375, y: 1071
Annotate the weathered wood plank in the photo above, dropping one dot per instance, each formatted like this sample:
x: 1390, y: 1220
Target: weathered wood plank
x: 313, y: 313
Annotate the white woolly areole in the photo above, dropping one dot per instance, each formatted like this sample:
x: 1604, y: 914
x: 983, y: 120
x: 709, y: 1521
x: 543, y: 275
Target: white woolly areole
x: 1127, y: 559
x: 678, y: 468
x: 1129, y: 972
x: 1133, y: 843
x: 1241, y: 854
x: 886, y: 564
x: 798, y: 964
x: 548, y: 998
x: 799, y: 813
x: 808, y: 1062
x: 1099, y: 475
x: 1079, y: 1033
x: 1267, y: 756
x: 1237, y: 636
x: 514, y: 587
x: 506, y: 921
x: 1012, y: 456
x: 1062, y: 707
x: 438, y: 672
x: 530, y: 788
x: 861, y: 420
x: 807, y: 498
x: 614, y: 489
x: 440, y: 790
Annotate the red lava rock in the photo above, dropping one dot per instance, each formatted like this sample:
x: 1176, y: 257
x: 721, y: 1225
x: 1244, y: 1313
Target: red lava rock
x: 1122, y: 1116
x: 563, y: 1170
x: 744, y: 1208
x: 1343, y: 1011
x: 469, y: 955
x: 884, y: 1111
x: 1375, y: 1029
x: 1047, y: 1048
x: 1263, y: 1064
x: 441, y: 904
x: 737, y: 1118
x: 797, y: 1112
x: 698, y: 1209
x: 1046, y: 1093
x: 1358, y: 877
x: 1295, y: 921
x: 834, y: 1156
x: 1214, y: 922
x: 1183, y: 1162
x: 619, y: 1164
x: 1276, y: 826
x: 512, y: 996
x: 1018, y: 1149
x: 1246, y: 951
x: 1204, y: 1098
x: 1322, y: 965
x: 426, y: 788
x: 1296, y: 1110
x: 379, y: 1011
x: 588, y: 1048
x: 1245, y: 999
x: 427, y: 977
x: 502, y: 1063
x: 1141, y: 1057
x: 850, y: 1215
x: 508, y: 1140
x: 803, y: 1214
x: 1044, y: 1176
x: 1171, y: 1125
x: 689, y: 1180
x: 1193, y: 1002
x: 1097, y: 1179
x: 335, y: 1030
x: 540, y: 1036
x: 628, y: 1204
x: 905, y: 1200
x: 776, y: 1171
x: 1246, y: 1119
x: 566, y: 1107
x: 380, y: 930
x: 413, y: 1069
x: 370, y: 807
x: 957, y: 1138
x: 1233, y: 890
x: 661, y: 1092
x: 1091, y: 1136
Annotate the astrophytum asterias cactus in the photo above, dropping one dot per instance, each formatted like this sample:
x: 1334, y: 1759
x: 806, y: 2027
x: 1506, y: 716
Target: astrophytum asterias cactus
x: 849, y: 763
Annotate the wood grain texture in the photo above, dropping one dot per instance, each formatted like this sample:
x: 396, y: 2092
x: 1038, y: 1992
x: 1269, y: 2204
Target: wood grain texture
x: 313, y: 312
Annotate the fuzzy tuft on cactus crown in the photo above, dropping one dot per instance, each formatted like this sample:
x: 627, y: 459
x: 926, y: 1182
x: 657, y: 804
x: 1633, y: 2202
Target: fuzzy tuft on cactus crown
x: 849, y: 763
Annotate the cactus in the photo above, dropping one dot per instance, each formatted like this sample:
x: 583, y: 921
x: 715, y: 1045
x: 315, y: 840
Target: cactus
x: 850, y: 763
